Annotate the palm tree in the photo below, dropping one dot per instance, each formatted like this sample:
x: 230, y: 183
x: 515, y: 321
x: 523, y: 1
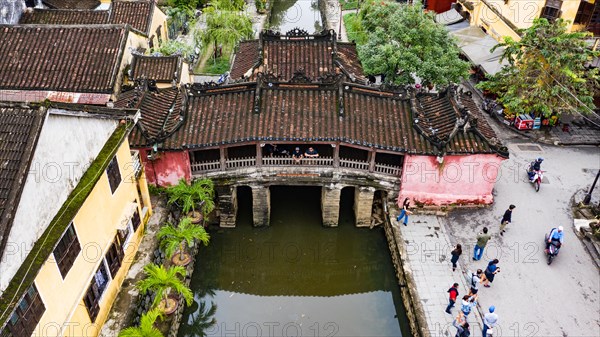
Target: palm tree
x: 146, y: 328
x: 161, y: 281
x: 200, y: 192
x: 173, y: 238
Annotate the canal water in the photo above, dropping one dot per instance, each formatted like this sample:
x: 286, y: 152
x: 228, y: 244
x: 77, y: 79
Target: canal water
x: 296, y: 277
x: 289, y: 14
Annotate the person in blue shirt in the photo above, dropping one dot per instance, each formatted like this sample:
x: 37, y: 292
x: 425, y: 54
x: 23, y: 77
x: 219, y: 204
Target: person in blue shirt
x: 556, y: 237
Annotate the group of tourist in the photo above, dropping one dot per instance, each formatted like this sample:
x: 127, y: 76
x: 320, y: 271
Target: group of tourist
x: 485, y: 277
x: 296, y: 154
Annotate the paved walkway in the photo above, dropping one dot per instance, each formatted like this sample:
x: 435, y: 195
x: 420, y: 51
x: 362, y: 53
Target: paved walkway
x: 428, y: 248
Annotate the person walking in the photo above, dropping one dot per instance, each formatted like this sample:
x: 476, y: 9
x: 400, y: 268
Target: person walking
x: 455, y: 255
x: 453, y: 291
x: 461, y: 325
x: 489, y: 322
x: 506, y: 219
x: 490, y: 272
x: 482, y: 240
x: 479, y: 277
x: 467, y: 304
x: 404, y: 212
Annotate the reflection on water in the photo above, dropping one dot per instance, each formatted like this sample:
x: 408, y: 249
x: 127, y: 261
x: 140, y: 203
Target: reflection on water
x: 295, y: 278
x: 289, y: 14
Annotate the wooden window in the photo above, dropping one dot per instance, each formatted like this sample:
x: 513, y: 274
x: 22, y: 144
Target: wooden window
x: 552, y: 10
x: 584, y: 13
x: 114, y: 257
x: 114, y: 174
x: 159, y: 34
x: 94, y: 293
x: 26, y: 315
x: 135, y: 220
x: 66, y: 250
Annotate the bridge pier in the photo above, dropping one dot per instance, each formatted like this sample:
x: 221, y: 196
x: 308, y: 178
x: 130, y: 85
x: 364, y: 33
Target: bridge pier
x: 227, y: 205
x: 363, y: 205
x: 330, y: 205
x: 261, y: 205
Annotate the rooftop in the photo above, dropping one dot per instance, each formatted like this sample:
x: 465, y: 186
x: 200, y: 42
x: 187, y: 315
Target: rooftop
x: 61, y: 58
x: 137, y: 14
x: 158, y: 68
x: 72, y: 4
x: 283, y: 55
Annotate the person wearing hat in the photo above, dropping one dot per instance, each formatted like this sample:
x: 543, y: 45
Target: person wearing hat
x: 489, y: 321
x: 556, y: 237
x: 297, y: 155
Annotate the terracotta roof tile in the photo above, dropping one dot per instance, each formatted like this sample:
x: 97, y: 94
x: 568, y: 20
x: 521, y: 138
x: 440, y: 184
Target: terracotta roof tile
x: 138, y: 14
x: 348, y: 57
x: 72, y: 4
x: 158, y: 68
x: 19, y: 131
x: 245, y: 58
x: 161, y: 114
x: 64, y: 17
x: 71, y: 58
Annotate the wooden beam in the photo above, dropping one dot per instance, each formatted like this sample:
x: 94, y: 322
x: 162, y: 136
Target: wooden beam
x: 336, y: 155
x: 223, y: 156
x: 258, y: 155
x: 372, y: 155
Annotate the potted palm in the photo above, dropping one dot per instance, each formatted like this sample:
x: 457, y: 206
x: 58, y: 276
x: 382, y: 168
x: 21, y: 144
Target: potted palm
x: 188, y: 197
x: 162, y: 281
x: 146, y: 328
x: 173, y: 239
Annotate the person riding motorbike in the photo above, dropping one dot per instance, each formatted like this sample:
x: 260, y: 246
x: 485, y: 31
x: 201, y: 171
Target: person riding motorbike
x: 534, y: 167
x: 555, y: 237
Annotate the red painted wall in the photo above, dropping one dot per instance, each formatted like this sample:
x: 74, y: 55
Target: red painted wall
x: 168, y: 169
x: 439, y: 6
x: 460, y: 179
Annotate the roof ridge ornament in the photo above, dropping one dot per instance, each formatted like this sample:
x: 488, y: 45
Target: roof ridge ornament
x: 297, y: 32
x: 300, y: 77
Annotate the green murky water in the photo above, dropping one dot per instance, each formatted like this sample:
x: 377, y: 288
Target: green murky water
x: 295, y: 278
x: 289, y: 14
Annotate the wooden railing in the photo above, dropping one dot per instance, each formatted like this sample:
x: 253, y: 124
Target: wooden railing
x: 240, y: 162
x: 232, y: 164
x: 136, y: 163
x: 354, y: 164
x: 388, y: 169
x: 206, y: 166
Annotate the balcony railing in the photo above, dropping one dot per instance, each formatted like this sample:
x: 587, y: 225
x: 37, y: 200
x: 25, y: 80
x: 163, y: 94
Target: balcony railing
x: 136, y: 163
x: 246, y: 162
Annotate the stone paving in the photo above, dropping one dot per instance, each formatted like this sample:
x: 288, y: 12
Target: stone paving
x: 428, y: 248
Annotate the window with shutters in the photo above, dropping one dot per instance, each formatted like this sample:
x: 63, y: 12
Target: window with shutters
x: 114, y: 175
x: 584, y: 13
x: 114, y: 257
x: 66, y: 250
x: 552, y: 10
x: 26, y: 315
x: 135, y: 220
x: 97, y: 287
x: 594, y: 23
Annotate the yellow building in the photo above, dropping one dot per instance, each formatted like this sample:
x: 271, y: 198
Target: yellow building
x: 72, y: 216
x: 501, y: 18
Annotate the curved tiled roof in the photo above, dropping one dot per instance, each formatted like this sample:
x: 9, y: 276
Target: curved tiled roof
x: 19, y: 131
x: 161, y: 113
x: 72, y: 4
x: 61, y: 58
x: 284, y: 55
x: 64, y: 17
x: 159, y: 68
x: 137, y: 14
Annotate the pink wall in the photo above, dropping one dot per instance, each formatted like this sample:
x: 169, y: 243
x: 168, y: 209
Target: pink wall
x: 459, y: 179
x: 168, y: 169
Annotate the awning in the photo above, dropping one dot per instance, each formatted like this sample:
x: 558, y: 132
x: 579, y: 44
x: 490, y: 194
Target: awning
x: 126, y: 216
x: 449, y: 17
x: 477, y: 45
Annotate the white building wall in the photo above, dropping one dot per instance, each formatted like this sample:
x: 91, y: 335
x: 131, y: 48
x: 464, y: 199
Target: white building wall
x: 66, y: 147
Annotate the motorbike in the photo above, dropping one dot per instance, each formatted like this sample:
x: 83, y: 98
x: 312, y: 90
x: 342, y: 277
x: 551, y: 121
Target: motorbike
x: 552, y: 250
x: 535, y: 177
x: 492, y: 107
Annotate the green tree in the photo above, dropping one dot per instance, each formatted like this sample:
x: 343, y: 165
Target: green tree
x: 547, y: 71
x: 162, y: 281
x: 405, y: 43
x: 224, y: 27
x: 173, y: 238
x: 189, y: 4
x: 146, y: 328
x: 171, y: 47
x: 188, y: 197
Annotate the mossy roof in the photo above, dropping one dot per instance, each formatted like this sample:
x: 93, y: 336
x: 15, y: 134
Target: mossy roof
x: 46, y: 243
